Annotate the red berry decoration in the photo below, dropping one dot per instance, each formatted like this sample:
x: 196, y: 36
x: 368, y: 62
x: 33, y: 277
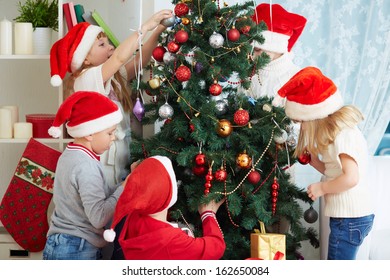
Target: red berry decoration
x: 241, y: 117
x: 200, y: 159
x: 181, y: 9
x: 233, y: 35
x: 304, y: 158
x: 209, y: 178
x: 191, y: 127
x: 181, y: 36
x: 220, y: 175
x: 274, y: 193
x: 158, y: 53
x: 254, y: 177
x: 173, y: 47
x: 183, y: 73
x: 215, y: 89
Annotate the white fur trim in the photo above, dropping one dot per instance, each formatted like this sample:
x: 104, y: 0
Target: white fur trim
x: 55, y: 81
x: 84, y: 46
x: 96, y: 125
x: 55, y: 132
x: 168, y: 166
x: 273, y: 42
x: 307, y: 112
x: 109, y: 235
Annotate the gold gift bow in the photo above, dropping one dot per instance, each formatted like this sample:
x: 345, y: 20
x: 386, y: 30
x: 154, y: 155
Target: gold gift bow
x: 277, y: 255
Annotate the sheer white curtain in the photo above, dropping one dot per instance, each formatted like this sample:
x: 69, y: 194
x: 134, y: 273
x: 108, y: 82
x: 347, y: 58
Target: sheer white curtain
x: 349, y: 41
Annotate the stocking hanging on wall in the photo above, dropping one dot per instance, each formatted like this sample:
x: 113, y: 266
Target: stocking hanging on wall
x: 23, y: 210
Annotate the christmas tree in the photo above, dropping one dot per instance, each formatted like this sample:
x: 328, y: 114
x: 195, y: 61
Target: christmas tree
x: 222, y: 143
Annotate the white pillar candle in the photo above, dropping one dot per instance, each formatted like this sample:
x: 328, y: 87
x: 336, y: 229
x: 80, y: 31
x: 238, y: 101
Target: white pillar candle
x: 23, y: 130
x: 5, y: 37
x: 5, y: 123
x: 23, y: 38
x: 14, y: 113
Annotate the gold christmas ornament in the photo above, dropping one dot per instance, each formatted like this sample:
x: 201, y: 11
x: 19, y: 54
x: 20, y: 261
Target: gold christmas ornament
x: 154, y: 83
x: 185, y: 21
x: 224, y: 128
x: 243, y: 160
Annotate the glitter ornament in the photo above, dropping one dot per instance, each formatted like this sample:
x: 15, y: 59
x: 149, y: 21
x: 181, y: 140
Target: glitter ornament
x: 165, y: 111
x: 220, y: 175
x: 241, y: 117
x: 183, y: 73
x: 173, y: 47
x: 198, y: 67
x: 181, y: 9
x: 154, y: 83
x: 185, y: 21
x: 215, y: 89
x: 139, y: 109
x: 216, y: 40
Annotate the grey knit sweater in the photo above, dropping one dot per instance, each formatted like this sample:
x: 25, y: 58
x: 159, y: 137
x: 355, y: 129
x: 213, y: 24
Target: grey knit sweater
x: 83, y: 202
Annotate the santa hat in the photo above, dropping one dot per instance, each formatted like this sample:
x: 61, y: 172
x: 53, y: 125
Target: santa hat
x: 69, y: 53
x: 284, y: 28
x: 85, y: 113
x: 310, y: 95
x: 146, y: 194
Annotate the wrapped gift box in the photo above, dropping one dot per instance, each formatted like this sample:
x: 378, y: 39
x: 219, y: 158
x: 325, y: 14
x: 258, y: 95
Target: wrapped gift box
x: 268, y: 246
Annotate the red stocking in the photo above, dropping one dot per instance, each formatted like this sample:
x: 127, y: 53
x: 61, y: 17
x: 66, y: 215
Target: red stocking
x: 23, y: 210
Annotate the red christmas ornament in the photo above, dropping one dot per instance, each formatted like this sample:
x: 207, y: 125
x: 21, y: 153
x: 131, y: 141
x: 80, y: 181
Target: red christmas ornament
x: 200, y: 159
x: 245, y: 29
x: 215, y: 89
x: 173, y: 47
x: 220, y: 175
x: 254, y: 177
x: 158, y: 53
x: 199, y: 170
x: 233, y: 35
x: 274, y: 194
x: 181, y: 36
x: 241, y: 117
x: 183, y: 73
x: 191, y: 127
x: 209, y: 178
x: 167, y: 121
x: 181, y: 9
x: 304, y: 158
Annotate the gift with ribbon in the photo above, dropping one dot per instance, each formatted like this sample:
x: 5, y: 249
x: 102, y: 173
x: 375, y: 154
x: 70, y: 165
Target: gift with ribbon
x: 267, y: 246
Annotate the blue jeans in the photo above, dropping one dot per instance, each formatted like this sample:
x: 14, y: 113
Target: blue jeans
x: 346, y: 236
x: 68, y: 247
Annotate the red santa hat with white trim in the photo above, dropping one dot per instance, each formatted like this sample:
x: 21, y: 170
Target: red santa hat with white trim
x: 310, y: 95
x: 69, y: 53
x: 284, y: 28
x: 85, y: 113
x: 145, y: 194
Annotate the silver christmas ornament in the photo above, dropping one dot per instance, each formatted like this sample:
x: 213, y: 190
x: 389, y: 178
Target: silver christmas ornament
x: 281, y: 137
x: 216, y: 40
x: 165, y: 111
x: 292, y: 141
x: 169, y: 57
x: 221, y: 107
x: 168, y: 22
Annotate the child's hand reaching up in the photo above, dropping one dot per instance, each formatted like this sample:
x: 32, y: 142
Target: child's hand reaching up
x: 211, y: 206
x: 155, y: 20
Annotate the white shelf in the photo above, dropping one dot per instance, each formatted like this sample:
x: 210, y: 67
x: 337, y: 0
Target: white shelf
x: 31, y: 56
x: 43, y: 140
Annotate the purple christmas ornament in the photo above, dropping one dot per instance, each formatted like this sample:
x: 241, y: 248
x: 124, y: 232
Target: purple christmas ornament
x: 198, y: 67
x: 139, y: 110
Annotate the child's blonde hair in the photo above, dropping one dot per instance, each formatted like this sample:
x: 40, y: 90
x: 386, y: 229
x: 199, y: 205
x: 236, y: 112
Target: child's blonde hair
x: 319, y: 134
x: 122, y: 92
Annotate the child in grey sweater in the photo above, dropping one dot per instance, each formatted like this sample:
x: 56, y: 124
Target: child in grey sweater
x: 84, y: 203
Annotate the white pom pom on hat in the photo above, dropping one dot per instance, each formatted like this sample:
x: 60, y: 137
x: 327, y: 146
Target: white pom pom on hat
x: 56, y: 81
x: 109, y: 235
